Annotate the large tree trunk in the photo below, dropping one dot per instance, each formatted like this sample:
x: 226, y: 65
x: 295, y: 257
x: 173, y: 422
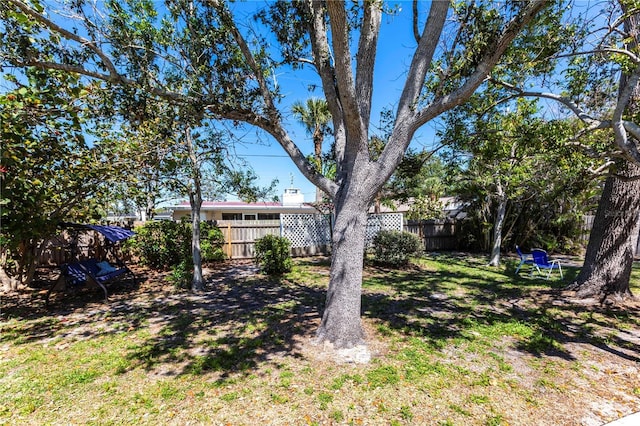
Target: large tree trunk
x: 341, y: 319
x: 613, y: 238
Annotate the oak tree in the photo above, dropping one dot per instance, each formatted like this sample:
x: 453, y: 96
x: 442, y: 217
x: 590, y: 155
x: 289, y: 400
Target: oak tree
x: 232, y: 70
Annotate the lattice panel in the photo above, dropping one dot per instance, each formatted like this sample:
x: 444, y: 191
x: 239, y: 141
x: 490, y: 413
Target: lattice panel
x: 305, y: 230
x: 379, y: 222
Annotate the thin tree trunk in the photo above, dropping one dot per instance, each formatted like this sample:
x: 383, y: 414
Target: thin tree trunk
x: 341, y: 318
x: 197, y: 282
x: 195, y: 199
x: 613, y: 238
x: 497, y: 227
x: 317, y: 143
x: 150, y: 208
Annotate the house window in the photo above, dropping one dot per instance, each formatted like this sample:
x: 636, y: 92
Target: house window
x: 231, y: 216
x: 249, y: 217
x: 268, y: 216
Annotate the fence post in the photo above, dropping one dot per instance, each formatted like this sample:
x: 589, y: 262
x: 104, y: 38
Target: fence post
x: 229, y: 248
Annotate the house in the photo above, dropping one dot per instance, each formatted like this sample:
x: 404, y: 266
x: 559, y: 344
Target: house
x: 451, y: 208
x: 292, y: 203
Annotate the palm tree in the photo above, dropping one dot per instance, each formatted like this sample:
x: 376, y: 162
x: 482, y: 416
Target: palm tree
x: 315, y: 116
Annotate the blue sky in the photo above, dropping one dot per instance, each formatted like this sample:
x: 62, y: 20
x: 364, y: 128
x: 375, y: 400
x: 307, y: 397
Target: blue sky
x: 394, y: 55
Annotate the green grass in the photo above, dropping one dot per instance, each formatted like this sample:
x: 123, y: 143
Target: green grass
x: 455, y: 342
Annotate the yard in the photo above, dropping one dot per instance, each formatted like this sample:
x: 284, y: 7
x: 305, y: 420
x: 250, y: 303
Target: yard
x: 454, y: 343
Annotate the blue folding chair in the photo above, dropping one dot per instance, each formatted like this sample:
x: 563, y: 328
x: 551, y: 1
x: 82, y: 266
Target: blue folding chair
x: 525, y: 258
x: 541, y: 261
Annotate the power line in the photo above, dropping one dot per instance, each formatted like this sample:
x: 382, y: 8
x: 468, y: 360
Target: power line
x: 262, y: 155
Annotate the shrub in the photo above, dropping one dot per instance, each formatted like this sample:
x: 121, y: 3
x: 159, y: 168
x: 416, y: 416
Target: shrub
x: 273, y: 254
x: 211, y: 242
x: 162, y: 244
x: 395, y: 248
x: 181, y: 275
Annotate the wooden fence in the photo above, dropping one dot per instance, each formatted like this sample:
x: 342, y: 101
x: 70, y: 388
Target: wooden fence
x: 240, y: 239
x: 68, y: 247
x: 240, y: 235
x: 435, y: 234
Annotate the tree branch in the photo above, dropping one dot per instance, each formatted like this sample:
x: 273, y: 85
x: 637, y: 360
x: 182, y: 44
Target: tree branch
x: 405, y: 115
x: 366, y: 57
x: 273, y: 125
x: 492, y: 55
x: 416, y: 30
x: 322, y: 60
x: 345, y: 81
x: 579, y: 112
x: 422, y: 58
x: 410, y: 120
x: 114, y: 76
x: 617, y: 122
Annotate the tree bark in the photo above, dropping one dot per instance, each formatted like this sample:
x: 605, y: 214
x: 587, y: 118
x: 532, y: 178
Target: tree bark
x: 197, y: 282
x: 341, y: 324
x: 613, y: 238
x: 497, y: 227
x: 195, y: 199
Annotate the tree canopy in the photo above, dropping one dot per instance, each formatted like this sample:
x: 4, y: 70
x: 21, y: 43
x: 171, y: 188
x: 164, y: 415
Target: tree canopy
x: 202, y: 54
x: 50, y: 172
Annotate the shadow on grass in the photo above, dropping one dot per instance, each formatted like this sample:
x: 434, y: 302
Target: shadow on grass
x: 239, y: 321
x: 30, y: 319
x: 232, y: 327
x: 244, y: 319
x: 468, y: 300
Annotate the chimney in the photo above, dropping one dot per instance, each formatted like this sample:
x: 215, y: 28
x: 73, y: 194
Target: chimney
x: 292, y: 197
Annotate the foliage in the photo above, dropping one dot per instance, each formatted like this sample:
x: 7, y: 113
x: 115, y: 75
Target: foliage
x: 273, y: 254
x: 425, y: 208
x: 49, y: 173
x: 211, y: 242
x: 419, y: 180
x: 162, y: 244
x: 315, y: 117
x: 512, y: 155
x: 395, y: 248
x: 181, y: 274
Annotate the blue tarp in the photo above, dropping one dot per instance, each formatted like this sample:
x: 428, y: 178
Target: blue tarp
x: 112, y: 233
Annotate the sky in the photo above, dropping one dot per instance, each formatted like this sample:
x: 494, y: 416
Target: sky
x: 270, y: 161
